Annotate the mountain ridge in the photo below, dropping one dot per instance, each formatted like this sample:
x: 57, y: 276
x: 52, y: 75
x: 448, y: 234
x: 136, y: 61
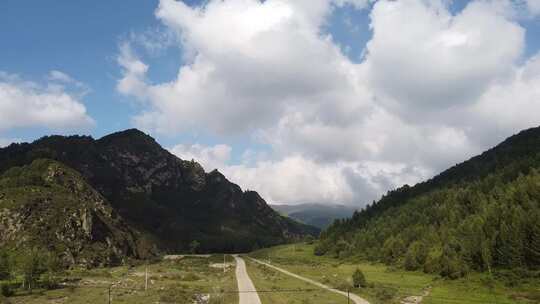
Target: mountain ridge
x: 315, y: 214
x: 481, y: 214
x: 170, y: 202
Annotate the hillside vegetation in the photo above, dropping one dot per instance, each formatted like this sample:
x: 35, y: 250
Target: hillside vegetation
x: 481, y: 215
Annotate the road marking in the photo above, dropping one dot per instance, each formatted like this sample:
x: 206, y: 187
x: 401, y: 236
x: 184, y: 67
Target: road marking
x: 356, y: 299
x: 247, y: 292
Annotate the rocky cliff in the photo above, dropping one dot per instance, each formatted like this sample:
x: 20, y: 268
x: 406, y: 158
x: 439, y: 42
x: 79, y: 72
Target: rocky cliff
x: 142, y: 197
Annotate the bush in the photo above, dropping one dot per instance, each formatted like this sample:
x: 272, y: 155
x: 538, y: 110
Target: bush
x: 319, y: 250
x: 432, y: 263
x: 451, y: 266
x: 386, y: 294
x: 49, y: 283
x: 6, y: 291
x: 5, y: 266
x: 358, y: 278
x: 416, y: 256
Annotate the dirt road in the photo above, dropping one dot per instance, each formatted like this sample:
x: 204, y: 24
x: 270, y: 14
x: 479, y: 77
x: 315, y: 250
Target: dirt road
x: 356, y: 299
x: 247, y: 292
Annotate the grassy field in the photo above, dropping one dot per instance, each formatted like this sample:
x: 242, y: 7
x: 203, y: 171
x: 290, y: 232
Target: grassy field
x: 277, y: 288
x: 178, y: 281
x: 389, y: 285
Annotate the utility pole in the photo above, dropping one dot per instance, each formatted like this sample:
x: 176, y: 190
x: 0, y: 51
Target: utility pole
x: 348, y: 297
x: 146, y: 277
x: 224, y: 263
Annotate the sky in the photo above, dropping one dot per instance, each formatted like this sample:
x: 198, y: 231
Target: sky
x: 304, y: 101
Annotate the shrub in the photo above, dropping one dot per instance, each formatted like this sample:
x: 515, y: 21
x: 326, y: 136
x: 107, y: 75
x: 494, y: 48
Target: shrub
x: 432, y: 263
x: 49, y: 282
x: 6, y: 290
x: 319, y: 250
x: 358, y: 278
x: 194, y: 247
x: 5, y: 266
x: 386, y: 294
x: 416, y: 256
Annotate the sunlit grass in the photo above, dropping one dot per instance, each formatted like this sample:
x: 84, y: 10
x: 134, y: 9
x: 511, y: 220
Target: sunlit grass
x: 389, y: 284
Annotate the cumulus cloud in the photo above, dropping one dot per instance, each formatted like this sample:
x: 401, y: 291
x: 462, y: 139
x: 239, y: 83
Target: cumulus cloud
x: 454, y: 58
x: 425, y: 96
x: 29, y: 104
x: 255, y: 75
x: 213, y: 157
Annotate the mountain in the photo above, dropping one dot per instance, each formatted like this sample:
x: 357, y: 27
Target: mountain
x: 318, y: 215
x: 47, y: 205
x: 142, y: 198
x: 482, y: 214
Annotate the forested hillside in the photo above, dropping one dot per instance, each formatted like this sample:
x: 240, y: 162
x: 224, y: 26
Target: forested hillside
x: 481, y: 215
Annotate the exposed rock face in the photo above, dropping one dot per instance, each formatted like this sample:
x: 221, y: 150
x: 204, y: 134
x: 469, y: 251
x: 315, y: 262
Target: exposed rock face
x: 49, y: 205
x: 162, y: 201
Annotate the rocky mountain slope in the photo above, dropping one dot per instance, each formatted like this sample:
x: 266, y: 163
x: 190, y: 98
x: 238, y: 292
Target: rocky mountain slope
x: 149, y: 199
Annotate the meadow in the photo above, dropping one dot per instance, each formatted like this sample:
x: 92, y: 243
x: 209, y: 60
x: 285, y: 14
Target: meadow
x: 169, y: 281
x: 393, y: 285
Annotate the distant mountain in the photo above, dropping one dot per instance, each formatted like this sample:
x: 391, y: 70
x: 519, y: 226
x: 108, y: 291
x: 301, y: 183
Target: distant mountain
x: 483, y: 215
x: 318, y: 215
x: 99, y: 201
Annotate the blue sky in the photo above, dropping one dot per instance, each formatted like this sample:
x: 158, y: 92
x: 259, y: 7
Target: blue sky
x: 356, y: 92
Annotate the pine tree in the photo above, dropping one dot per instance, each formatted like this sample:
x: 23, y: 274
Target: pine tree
x: 359, y: 280
x: 533, y: 242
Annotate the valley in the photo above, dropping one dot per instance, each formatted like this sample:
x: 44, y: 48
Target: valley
x: 96, y: 221
x: 270, y: 152
x: 202, y: 279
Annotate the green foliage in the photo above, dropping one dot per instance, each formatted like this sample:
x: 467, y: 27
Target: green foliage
x: 481, y: 215
x: 6, y: 290
x: 416, y: 256
x: 32, y: 265
x: 532, y: 254
x: 433, y: 260
x: 451, y: 266
x: 5, y: 265
x: 322, y: 247
x: 309, y: 239
x: 194, y: 246
x: 358, y: 278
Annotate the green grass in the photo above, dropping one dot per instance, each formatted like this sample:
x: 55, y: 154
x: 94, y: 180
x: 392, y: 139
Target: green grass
x: 390, y: 285
x: 169, y: 282
x: 277, y: 288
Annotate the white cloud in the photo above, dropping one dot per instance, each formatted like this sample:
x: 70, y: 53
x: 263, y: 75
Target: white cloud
x: 29, y: 104
x: 55, y: 75
x: 512, y: 105
x: 214, y: 157
x: 248, y: 79
x: 426, y: 95
x: 533, y: 6
x: 4, y: 142
x: 453, y: 58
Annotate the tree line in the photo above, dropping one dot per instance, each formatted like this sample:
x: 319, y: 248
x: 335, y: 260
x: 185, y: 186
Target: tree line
x: 28, y: 270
